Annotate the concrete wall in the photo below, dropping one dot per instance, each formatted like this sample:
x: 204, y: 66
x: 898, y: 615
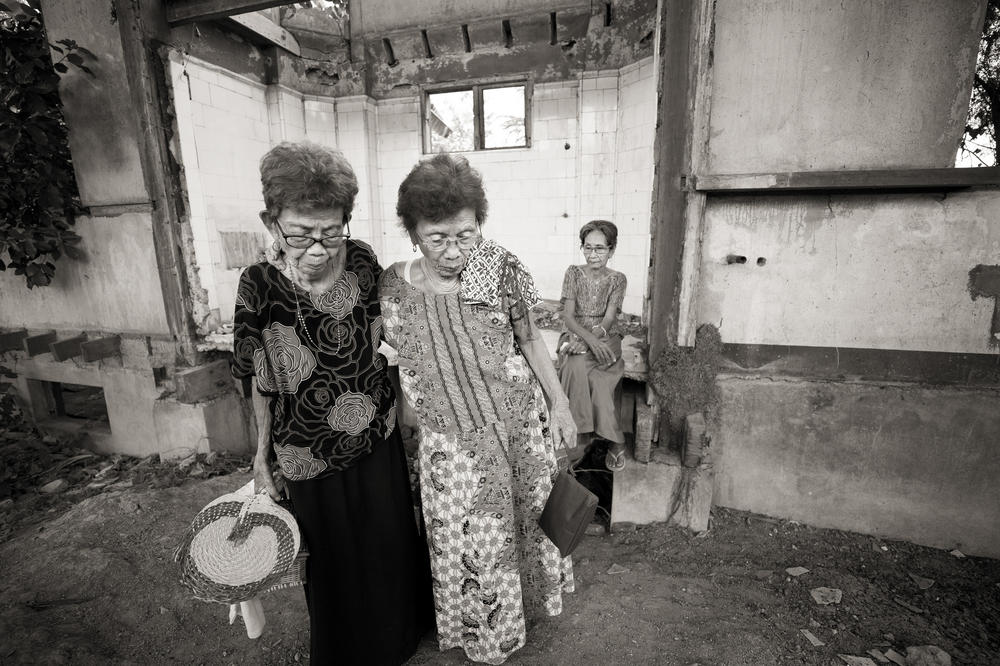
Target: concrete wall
x: 541, y: 196
x: 115, y: 288
x: 907, y: 462
x: 813, y: 85
x: 881, y: 271
x: 880, y: 276
x: 591, y: 157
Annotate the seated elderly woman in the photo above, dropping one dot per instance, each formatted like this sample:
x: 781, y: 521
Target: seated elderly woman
x: 307, y: 328
x: 470, y: 363
x: 590, y: 348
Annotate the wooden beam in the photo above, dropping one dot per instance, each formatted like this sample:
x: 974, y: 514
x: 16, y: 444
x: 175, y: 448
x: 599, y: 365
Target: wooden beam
x: 12, y: 340
x: 875, y: 179
x: 95, y: 350
x: 261, y: 28
x: 186, y: 11
x: 38, y: 344
x: 685, y: 60
x: 202, y: 383
x: 68, y: 348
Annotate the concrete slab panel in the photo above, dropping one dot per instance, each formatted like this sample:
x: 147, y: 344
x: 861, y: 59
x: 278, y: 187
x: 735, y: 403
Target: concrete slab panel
x: 486, y: 34
x: 116, y: 288
x: 529, y: 28
x: 446, y: 40
x: 812, y: 85
x: 902, y: 462
x: 886, y: 271
x: 104, y: 135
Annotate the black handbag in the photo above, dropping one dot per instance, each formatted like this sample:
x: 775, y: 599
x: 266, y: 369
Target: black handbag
x: 567, y: 513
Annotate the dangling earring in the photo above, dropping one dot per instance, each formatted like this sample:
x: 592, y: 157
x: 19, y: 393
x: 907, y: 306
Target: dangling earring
x: 414, y: 248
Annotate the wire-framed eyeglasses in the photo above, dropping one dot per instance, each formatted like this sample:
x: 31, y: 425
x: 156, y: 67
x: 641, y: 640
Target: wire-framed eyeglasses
x: 465, y: 241
x: 306, y: 242
x: 596, y: 249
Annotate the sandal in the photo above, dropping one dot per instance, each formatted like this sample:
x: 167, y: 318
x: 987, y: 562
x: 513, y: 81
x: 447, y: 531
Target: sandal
x: 615, y: 459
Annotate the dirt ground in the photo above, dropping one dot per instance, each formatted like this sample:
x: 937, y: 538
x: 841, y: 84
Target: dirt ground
x: 95, y: 583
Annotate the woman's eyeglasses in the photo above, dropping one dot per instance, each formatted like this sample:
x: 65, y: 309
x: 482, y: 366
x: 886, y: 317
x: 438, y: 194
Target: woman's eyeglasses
x: 306, y: 242
x: 439, y: 243
x: 596, y: 249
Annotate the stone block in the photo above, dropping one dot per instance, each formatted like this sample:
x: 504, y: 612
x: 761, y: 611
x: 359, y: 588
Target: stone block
x: 662, y: 491
x: 644, y: 420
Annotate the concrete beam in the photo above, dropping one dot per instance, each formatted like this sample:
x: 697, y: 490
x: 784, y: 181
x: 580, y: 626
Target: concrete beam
x: 95, y: 350
x: 66, y: 349
x: 260, y: 28
x: 185, y: 11
x: 856, y: 179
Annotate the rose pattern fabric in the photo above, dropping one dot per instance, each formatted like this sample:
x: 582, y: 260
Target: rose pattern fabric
x: 307, y: 375
x: 351, y: 413
x: 291, y: 361
x: 297, y: 462
x: 342, y: 297
x: 390, y: 420
x: 265, y: 380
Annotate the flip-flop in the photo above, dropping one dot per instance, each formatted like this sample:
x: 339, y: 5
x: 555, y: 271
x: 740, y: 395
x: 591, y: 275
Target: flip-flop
x: 615, y: 462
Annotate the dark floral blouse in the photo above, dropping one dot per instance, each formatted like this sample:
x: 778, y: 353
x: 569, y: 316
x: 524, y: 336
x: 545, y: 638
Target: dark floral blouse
x: 333, y: 399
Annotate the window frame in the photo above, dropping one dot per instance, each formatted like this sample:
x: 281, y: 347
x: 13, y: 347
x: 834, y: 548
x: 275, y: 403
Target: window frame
x: 477, y: 86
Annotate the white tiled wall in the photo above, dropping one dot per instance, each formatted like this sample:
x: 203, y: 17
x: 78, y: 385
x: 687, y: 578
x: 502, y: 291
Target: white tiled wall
x: 591, y: 156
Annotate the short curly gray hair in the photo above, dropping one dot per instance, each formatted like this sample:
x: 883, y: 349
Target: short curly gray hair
x: 306, y: 176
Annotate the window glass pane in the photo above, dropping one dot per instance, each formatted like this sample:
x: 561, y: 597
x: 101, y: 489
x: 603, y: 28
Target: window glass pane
x: 503, y: 117
x: 449, y: 121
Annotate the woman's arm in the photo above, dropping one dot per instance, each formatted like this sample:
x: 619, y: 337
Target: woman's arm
x: 561, y: 427
x: 263, y: 480
x: 602, y: 352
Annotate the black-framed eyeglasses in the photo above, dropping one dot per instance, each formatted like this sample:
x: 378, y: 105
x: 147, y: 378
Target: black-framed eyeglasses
x: 466, y: 241
x: 306, y: 242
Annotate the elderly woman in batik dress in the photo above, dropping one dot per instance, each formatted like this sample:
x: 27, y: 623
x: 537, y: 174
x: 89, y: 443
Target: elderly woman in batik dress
x: 489, y: 412
x: 590, y: 349
x: 307, y: 330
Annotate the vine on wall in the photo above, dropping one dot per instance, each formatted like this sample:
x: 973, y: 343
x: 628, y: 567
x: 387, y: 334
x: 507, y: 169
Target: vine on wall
x: 38, y: 193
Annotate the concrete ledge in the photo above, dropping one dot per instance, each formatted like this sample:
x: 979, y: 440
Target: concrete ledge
x: 663, y: 490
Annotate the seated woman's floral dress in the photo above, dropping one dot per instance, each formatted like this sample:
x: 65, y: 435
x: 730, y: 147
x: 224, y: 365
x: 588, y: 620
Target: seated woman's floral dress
x: 334, y: 434
x: 485, y: 457
x: 589, y: 386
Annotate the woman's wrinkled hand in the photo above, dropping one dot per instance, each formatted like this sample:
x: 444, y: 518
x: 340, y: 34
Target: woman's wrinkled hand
x: 576, y: 347
x: 263, y: 479
x: 602, y: 352
x: 562, y: 427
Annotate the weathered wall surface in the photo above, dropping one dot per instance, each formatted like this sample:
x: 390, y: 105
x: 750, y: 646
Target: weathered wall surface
x: 591, y: 157
x: 860, y: 391
x: 814, y: 85
x: 103, y: 132
x: 909, y: 462
x: 113, y: 289
x: 549, y: 43
x: 882, y: 271
x: 585, y: 162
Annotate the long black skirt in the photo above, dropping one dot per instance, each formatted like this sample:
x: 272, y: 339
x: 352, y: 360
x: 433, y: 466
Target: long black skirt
x: 368, y: 579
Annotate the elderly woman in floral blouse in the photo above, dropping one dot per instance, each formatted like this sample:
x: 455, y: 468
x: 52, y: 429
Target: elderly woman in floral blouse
x: 307, y: 330
x: 491, y: 413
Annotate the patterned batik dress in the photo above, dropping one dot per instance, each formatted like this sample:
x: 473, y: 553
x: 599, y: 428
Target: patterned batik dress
x: 589, y: 386
x: 485, y: 457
